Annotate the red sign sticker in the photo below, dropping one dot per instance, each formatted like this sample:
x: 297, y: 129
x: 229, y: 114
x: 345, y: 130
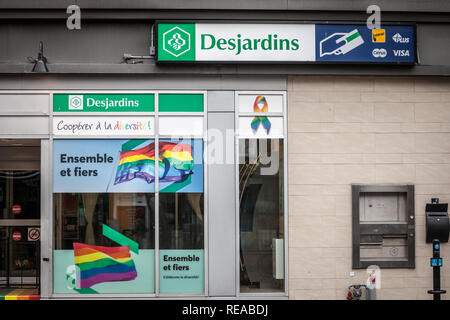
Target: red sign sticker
x: 16, y: 236
x: 16, y: 209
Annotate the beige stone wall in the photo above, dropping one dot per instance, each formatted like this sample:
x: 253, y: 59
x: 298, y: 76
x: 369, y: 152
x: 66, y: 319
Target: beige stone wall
x: 367, y: 130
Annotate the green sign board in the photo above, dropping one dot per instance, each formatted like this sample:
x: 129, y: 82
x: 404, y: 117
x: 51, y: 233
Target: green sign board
x: 103, y: 102
x: 217, y: 41
x: 180, y: 102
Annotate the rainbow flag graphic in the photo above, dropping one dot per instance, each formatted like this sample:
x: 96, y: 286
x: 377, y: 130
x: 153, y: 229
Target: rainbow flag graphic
x: 175, y: 160
x: 263, y: 120
x: 102, y: 264
x: 175, y: 163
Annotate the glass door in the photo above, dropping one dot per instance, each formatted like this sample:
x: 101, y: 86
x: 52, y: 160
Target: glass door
x: 261, y: 215
x: 20, y: 181
x: 261, y: 193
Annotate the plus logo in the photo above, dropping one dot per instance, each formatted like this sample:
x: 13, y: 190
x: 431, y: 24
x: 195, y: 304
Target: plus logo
x: 398, y: 38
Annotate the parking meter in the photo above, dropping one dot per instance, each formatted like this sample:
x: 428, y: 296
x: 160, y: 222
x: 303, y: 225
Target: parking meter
x: 437, y: 222
x: 437, y: 231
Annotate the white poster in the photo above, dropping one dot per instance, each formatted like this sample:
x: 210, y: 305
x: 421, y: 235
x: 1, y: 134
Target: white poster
x: 250, y: 103
x: 261, y: 127
x: 103, y: 126
x: 180, y: 126
x: 254, y: 42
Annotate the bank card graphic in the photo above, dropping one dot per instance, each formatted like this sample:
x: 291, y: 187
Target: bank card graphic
x: 260, y: 105
x: 97, y: 264
x: 345, y: 42
x: 357, y: 43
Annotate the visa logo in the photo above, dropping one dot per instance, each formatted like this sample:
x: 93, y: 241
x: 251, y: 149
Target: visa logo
x: 401, y: 53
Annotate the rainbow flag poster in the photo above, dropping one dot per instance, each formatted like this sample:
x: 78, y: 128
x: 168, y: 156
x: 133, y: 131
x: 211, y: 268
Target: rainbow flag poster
x: 127, y: 166
x: 175, y: 162
x: 96, y: 264
x: 183, y: 166
x: 136, y: 163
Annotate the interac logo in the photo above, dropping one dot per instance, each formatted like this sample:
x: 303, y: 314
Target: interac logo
x: 176, y: 41
x: 75, y: 102
x: 378, y: 35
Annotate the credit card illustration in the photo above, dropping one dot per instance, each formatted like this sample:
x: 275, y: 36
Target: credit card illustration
x: 345, y: 41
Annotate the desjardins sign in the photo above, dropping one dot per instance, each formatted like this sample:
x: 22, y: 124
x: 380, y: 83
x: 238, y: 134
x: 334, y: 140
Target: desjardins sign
x: 234, y: 42
x: 75, y: 102
x: 257, y: 42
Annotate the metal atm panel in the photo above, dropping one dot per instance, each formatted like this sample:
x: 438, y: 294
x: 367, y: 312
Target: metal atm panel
x: 383, y: 226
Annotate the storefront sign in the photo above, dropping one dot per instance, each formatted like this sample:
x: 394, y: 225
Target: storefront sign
x: 239, y: 42
x: 103, y: 102
x: 103, y: 126
x: 127, y: 166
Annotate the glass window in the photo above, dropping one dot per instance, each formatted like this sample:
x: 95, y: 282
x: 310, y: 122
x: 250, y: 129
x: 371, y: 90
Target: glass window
x: 104, y: 204
x: 261, y: 215
x: 80, y: 218
x: 181, y: 217
x: 20, y: 196
x: 109, y: 237
x: 95, y: 231
x: 181, y: 221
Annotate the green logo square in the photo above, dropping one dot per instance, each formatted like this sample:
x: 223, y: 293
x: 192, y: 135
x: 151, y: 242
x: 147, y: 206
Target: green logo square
x: 176, y: 42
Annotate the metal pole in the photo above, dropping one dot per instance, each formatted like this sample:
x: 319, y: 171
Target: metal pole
x: 176, y: 221
x: 436, y: 283
x: 8, y: 260
x: 38, y: 265
x: 436, y: 263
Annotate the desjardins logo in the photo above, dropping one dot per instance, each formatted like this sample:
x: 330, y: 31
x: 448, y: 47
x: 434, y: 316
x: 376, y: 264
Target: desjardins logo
x: 239, y: 43
x: 79, y: 102
x: 176, y: 41
x: 75, y: 102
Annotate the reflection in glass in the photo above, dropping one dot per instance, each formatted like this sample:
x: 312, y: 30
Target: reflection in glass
x: 181, y: 220
x: 80, y: 218
x: 20, y: 196
x: 261, y: 215
x: 19, y: 257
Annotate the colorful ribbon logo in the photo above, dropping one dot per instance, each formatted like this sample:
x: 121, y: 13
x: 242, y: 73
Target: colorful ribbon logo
x: 260, y: 119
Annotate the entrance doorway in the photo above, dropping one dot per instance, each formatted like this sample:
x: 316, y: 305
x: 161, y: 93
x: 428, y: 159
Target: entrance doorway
x: 20, y: 185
